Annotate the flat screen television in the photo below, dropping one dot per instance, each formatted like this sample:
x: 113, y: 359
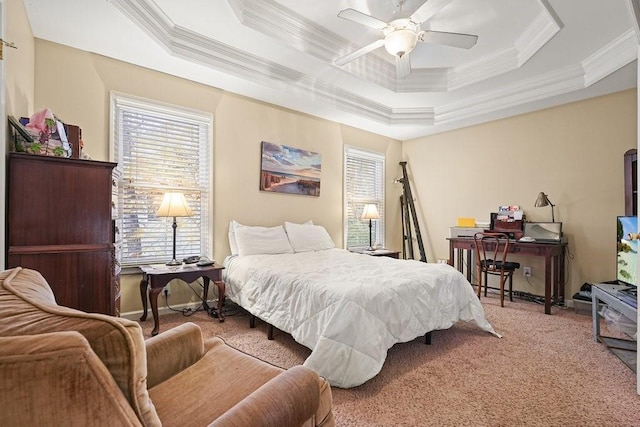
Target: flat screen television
x: 627, y: 250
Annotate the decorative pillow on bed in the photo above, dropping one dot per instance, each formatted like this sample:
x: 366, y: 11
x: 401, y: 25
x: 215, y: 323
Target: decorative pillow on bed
x: 262, y: 240
x: 308, y: 237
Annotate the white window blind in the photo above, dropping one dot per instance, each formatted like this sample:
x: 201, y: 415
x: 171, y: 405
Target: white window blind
x: 364, y: 184
x: 160, y: 148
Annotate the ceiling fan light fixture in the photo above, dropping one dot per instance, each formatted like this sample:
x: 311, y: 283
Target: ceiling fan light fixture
x: 400, y: 42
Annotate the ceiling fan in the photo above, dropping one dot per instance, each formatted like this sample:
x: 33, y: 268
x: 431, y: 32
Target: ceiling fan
x: 401, y: 35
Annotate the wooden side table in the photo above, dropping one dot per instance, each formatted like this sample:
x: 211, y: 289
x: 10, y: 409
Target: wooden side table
x: 156, y: 277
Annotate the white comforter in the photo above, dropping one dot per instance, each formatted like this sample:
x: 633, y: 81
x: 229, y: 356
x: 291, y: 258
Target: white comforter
x: 349, y: 309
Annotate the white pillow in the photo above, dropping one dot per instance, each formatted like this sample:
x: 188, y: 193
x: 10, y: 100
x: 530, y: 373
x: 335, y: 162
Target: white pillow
x: 233, y: 225
x: 262, y: 240
x: 232, y: 236
x: 308, y: 237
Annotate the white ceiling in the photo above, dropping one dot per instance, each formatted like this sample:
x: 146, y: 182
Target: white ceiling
x: 530, y: 54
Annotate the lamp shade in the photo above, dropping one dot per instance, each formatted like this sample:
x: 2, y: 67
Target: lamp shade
x: 542, y: 200
x: 370, y: 212
x: 400, y: 42
x: 174, y: 204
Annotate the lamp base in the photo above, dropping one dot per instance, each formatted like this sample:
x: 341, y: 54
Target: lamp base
x: 174, y: 262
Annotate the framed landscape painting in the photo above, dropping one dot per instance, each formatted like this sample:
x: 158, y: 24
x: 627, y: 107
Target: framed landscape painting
x: 289, y: 170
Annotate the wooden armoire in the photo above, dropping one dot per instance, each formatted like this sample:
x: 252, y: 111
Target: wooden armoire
x: 61, y: 222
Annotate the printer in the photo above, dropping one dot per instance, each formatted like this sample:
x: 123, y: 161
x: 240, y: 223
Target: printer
x: 455, y: 232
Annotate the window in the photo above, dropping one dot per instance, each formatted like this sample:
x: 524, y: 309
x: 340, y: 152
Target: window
x: 161, y: 148
x: 363, y: 184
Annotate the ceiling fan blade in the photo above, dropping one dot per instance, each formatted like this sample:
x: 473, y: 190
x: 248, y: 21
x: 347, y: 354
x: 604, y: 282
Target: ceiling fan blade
x: 428, y: 9
x: 465, y: 41
x: 403, y: 66
x: 353, y: 55
x: 362, y: 18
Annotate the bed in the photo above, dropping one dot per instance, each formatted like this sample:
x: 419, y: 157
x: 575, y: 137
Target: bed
x: 348, y: 308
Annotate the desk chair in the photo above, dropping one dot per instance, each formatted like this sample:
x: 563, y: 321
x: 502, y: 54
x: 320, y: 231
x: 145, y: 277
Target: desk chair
x: 491, y: 258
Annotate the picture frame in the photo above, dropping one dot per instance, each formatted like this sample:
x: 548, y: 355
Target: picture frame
x: 289, y: 170
x: 21, y: 138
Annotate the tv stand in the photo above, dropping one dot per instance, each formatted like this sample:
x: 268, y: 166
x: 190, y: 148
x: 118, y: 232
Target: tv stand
x: 608, y: 293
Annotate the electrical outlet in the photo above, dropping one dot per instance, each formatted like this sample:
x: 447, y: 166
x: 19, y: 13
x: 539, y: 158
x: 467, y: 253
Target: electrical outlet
x: 527, y: 272
x: 166, y: 290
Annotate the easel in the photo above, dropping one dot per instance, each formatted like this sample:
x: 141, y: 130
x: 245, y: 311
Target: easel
x: 408, y: 208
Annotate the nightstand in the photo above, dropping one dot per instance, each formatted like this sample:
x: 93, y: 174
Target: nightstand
x: 155, y: 277
x: 378, y: 252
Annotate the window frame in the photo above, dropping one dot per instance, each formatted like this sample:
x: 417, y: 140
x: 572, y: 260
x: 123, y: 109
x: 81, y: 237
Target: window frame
x: 378, y: 225
x: 158, y: 110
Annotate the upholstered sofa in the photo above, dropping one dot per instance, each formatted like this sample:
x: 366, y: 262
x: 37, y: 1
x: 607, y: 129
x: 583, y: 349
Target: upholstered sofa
x: 60, y: 366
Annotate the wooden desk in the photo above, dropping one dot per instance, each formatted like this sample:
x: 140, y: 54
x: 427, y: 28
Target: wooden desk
x: 156, y: 277
x: 553, y: 254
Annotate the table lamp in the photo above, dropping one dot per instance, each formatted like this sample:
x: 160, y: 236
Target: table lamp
x: 543, y: 200
x: 174, y: 205
x: 370, y: 212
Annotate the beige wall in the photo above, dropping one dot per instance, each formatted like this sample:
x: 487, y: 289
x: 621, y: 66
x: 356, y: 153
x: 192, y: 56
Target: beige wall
x: 18, y: 87
x: 574, y: 153
x: 20, y: 62
x: 75, y: 85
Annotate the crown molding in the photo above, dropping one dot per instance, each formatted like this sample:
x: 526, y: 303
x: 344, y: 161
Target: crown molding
x: 192, y: 46
x: 186, y: 44
x: 611, y: 57
x: 534, y: 89
x: 634, y: 12
x: 615, y: 55
x: 273, y: 20
x: 270, y: 18
x: 533, y: 38
x: 486, y: 68
x: 413, y: 116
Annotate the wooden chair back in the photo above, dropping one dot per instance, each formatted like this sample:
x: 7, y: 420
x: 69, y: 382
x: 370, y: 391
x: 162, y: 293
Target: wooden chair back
x: 491, y: 249
x: 491, y: 258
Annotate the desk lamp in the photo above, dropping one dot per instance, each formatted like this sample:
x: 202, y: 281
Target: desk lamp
x: 174, y: 205
x: 543, y: 200
x: 370, y: 212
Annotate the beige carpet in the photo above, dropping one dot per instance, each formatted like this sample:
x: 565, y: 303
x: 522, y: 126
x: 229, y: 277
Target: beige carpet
x: 545, y: 371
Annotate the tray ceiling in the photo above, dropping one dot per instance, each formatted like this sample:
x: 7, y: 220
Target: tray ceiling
x: 530, y: 54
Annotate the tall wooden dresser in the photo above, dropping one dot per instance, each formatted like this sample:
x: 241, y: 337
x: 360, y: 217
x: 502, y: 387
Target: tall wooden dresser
x: 60, y: 222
